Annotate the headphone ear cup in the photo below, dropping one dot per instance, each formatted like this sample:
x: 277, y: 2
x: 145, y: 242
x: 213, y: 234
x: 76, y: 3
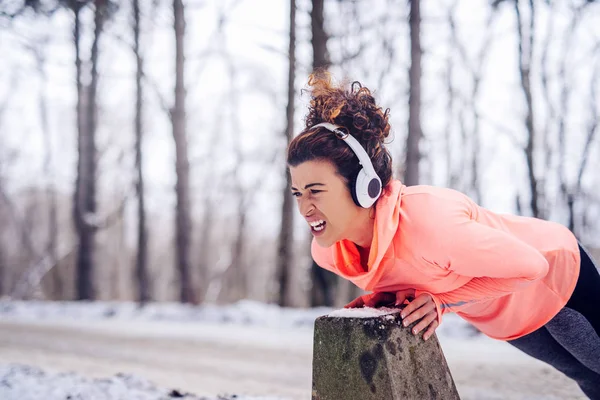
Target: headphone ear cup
x: 367, y: 189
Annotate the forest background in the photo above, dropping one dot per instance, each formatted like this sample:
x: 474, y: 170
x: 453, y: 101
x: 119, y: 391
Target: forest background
x: 142, y: 143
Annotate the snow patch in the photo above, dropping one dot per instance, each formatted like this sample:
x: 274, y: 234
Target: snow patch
x: 23, y: 382
x: 366, y: 312
x: 184, y: 317
x: 244, y: 312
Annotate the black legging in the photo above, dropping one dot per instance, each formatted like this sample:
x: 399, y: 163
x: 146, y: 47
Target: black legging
x: 586, y: 297
x: 568, y: 342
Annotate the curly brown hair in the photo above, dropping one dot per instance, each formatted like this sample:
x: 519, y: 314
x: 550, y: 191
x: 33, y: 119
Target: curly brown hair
x: 354, y: 109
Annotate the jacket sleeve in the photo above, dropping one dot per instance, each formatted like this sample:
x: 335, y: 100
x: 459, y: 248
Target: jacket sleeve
x: 498, y: 262
x: 474, y: 291
x: 472, y: 249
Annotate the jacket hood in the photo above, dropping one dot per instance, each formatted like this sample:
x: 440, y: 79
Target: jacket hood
x: 343, y: 257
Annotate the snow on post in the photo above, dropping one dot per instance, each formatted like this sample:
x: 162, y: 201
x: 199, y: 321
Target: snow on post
x: 367, y: 354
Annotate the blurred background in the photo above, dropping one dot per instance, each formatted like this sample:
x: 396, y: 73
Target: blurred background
x: 142, y: 142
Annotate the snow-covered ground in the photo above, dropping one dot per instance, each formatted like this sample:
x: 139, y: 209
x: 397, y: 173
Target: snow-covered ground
x: 106, y: 350
x: 25, y: 382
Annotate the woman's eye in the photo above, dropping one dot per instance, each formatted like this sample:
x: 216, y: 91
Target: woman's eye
x: 312, y: 191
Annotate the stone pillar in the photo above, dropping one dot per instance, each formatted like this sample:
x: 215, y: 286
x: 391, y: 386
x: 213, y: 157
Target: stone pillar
x: 376, y: 358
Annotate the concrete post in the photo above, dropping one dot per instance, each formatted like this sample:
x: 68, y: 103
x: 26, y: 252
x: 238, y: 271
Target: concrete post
x: 375, y: 358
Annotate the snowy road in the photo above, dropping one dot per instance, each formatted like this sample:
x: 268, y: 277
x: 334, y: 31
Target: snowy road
x: 200, y: 366
x: 213, y: 359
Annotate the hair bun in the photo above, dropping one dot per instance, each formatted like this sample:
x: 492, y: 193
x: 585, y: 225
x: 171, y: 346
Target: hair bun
x: 353, y: 108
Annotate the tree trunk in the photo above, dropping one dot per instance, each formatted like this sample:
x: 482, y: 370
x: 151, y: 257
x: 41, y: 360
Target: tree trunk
x: 526, y: 41
x: 182, y: 167
x: 85, y: 191
x: 413, y: 154
x: 286, y: 232
x: 88, y: 217
x: 323, y: 281
x: 141, y: 264
x: 319, y: 36
x: 77, y: 195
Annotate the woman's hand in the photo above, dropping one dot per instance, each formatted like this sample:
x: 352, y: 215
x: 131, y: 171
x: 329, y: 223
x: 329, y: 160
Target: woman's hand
x: 420, y: 309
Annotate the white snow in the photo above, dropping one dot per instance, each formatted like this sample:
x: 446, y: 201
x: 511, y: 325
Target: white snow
x: 22, y: 382
x: 26, y: 382
x: 244, y: 313
x: 481, y: 366
x: 366, y: 312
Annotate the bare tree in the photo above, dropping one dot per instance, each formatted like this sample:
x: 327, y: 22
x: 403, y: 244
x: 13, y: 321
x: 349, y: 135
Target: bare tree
x: 452, y: 177
x: 413, y: 155
x: 470, y: 137
x: 526, y: 45
x: 141, y: 264
x: 286, y: 233
x: 551, y: 110
x: 323, y: 281
x: 576, y: 191
x: 183, y: 221
x: 320, y: 37
x: 566, y: 191
x: 86, y: 220
x: 78, y: 212
x: 367, y: 39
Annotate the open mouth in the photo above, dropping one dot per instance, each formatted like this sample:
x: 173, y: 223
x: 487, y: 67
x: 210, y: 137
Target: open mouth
x: 318, y: 227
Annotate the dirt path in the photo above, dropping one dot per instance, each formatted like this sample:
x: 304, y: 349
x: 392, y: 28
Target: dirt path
x: 209, y: 367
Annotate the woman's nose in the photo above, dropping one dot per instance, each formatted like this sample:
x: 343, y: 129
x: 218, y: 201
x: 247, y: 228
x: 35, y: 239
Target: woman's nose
x: 306, y: 207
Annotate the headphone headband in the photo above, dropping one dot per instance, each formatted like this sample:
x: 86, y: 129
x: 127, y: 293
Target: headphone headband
x: 360, y: 152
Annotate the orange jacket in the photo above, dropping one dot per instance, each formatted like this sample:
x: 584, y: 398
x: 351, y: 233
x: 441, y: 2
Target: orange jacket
x: 507, y: 275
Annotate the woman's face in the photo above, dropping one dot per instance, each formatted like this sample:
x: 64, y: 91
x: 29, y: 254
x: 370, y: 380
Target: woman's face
x: 324, y: 201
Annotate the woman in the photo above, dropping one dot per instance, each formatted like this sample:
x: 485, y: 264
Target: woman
x: 517, y: 279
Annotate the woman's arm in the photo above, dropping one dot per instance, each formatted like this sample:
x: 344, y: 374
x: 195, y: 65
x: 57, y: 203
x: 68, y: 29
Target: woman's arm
x: 474, y: 291
x: 498, y: 262
x: 472, y: 249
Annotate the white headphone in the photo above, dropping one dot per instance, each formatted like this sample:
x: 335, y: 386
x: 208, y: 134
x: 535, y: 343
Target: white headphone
x: 366, y: 189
